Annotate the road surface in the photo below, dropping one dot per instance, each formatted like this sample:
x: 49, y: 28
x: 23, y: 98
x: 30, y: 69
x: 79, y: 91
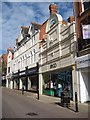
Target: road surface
x: 16, y: 105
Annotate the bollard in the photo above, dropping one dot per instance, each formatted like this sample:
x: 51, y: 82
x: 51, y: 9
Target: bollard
x: 76, y: 102
x: 38, y: 95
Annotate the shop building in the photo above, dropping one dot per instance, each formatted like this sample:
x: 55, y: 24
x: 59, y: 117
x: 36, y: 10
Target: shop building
x: 3, y: 69
x: 10, y: 68
x: 82, y: 17
x: 57, y: 69
x: 26, y: 58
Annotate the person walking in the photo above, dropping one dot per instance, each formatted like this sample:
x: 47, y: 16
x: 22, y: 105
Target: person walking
x: 22, y: 89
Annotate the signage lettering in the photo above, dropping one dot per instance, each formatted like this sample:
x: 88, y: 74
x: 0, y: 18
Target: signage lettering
x: 53, y: 65
x: 83, y: 61
x: 22, y: 73
x: 52, y: 23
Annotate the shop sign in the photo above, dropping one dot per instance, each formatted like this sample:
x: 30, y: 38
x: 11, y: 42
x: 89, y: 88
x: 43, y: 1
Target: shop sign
x: 22, y: 73
x: 32, y: 71
x: 15, y: 75
x: 53, y: 65
x: 83, y: 61
x: 86, y: 31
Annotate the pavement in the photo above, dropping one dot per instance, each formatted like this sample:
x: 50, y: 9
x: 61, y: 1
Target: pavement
x: 0, y: 103
x: 82, y: 107
x: 55, y: 102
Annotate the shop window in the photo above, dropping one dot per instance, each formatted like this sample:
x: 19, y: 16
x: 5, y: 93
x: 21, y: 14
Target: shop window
x: 55, y: 83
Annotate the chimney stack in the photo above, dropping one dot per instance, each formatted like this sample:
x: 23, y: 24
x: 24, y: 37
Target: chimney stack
x: 9, y: 49
x: 53, y: 9
x: 70, y: 19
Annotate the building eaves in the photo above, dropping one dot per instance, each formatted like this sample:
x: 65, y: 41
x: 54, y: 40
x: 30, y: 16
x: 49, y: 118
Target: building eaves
x: 36, y: 25
x: 25, y: 29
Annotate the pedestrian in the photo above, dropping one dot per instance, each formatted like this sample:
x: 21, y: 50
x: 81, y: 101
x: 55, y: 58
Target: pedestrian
x: 22, y: 89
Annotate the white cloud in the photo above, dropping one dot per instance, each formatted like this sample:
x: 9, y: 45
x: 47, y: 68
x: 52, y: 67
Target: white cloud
x: 16, y: 14
x: 19, y: 14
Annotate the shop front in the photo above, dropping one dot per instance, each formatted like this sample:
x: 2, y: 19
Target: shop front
x: 26, y: 78
x: 15, y: 79
x: 56, y: 82
x: 83, y: 68
x: 32, y: 79
x: 9, y: 81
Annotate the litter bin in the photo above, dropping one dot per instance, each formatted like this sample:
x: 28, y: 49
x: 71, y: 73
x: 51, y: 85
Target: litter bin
x: 65, y: 98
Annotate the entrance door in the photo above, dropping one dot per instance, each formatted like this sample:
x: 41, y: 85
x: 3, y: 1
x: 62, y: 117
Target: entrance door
x: 84, y: 85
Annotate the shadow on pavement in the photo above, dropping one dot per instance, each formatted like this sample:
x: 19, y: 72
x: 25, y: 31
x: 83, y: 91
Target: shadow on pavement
x: 69, y: 107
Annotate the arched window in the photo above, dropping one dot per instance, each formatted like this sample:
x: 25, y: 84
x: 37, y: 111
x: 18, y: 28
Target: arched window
x: 20, y: 62
x: 25, y: 59
x: 15, y: 65
x: 31, y: 57
x: 34, y: 56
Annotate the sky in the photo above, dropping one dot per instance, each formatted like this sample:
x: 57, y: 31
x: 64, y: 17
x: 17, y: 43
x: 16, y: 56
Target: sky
x: 19, y: 13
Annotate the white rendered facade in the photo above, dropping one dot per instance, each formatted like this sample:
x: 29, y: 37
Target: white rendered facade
x: 83, y: 68
x: 58, y: 53
x: 25, y: 56
x: 10, y: 70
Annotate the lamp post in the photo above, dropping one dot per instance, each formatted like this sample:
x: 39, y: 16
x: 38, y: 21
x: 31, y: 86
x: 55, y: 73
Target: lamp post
x: 76, y: 102
x: 18, y: 79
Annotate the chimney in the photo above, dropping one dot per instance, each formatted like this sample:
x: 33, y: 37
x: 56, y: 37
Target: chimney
x: 9, y: 49
x: 53, y: 9
x: 70, y: 19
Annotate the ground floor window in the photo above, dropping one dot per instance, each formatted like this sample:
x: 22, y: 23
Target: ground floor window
x: 33, y: 82
x: 56, y: 82
x: 4, y: 82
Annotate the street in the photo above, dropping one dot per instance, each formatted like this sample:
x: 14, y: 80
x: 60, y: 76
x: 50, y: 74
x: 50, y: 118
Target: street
x: 0, y: 103
x: 16, y: 105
